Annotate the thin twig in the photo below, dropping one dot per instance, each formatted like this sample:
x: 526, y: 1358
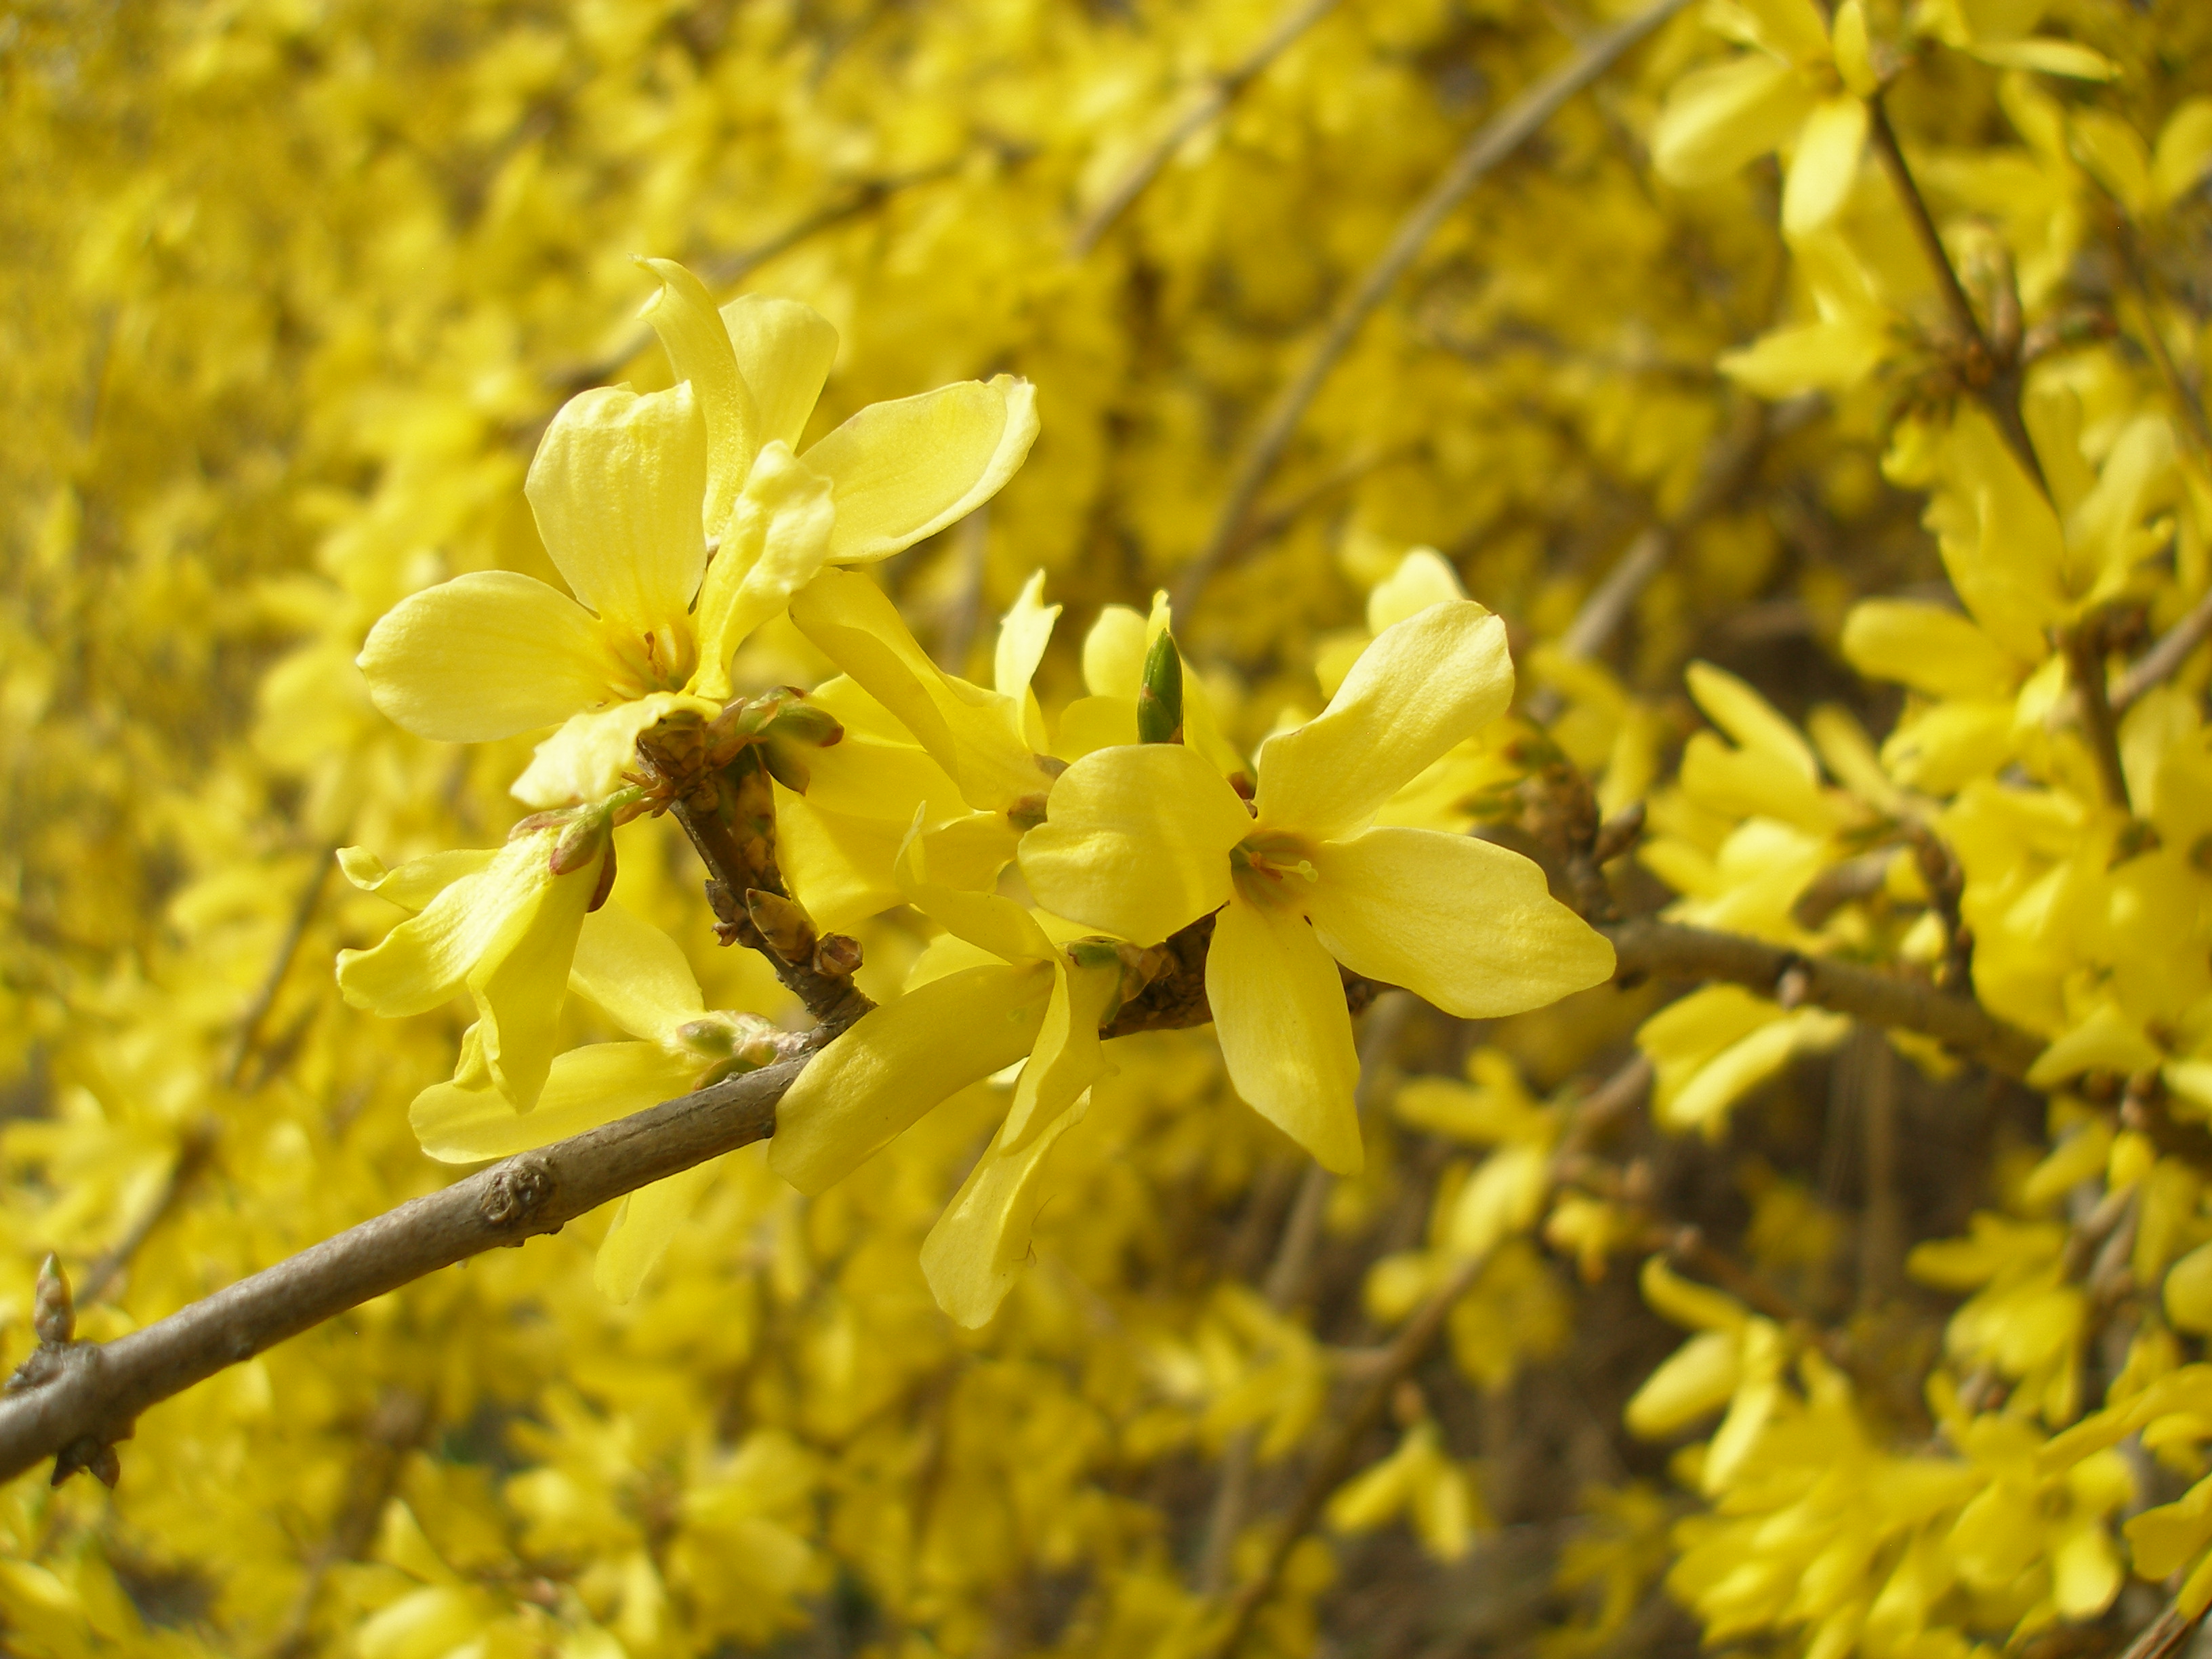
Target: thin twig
x: 1646, y: 947
x: 2165, y: 658
x: 725, y: 269
x: 2085, y: 665
x: 2166, y: 1635
x: 1285, y: 1286
x: 1728, y: 464
x: 264, y: 997
x: 193, y: 1154
x: 1994, y: 375
x: 1498, y: 139
x: 1406, y: 1350
x: 90, y: 1394
x: 1215, y: 96
x: 401, y: 1422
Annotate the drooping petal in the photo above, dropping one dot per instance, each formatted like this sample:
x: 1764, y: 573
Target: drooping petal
x: 1023, y: 633
x: 422, y: 962
x: 584, y: 760
x: 978, y: 736
x: 647, y: 1220
x: 699, y: 350
x: 784, y: 352
x: 1113, y: 652
x: 636, y: 973
x: 894, y: 1064
x: 587, y: 1087
x: 777, y: 537
x: 521, y: 980
x: 616, y: 486
x: 1068, y: 1057
x: 1459, y: 922
x: 1278, y: 1012
x: 1135, y: 842
x: 417, y: 882
x: 906, y: 469
x: 1826, y: 161
x: 485, y: 656
x: 1424, y: 683
x: 976, y: 1251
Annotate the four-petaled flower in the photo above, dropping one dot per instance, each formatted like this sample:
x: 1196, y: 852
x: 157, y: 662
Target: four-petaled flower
x: 1143, y: 840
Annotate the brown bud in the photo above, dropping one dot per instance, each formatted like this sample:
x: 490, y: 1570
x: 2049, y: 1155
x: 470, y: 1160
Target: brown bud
x: 784, y: 924
x: 53, y: 1314
x: 837, y: 956
x: 587, y: 836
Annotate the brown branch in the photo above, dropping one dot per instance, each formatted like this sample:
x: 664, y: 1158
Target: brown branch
x: 1646, y: 947
x: 69, y: 1400
x: 2166, y: 1635
x: 1493, y: 143
x: 1993, y: 374
x: 1213, y: 98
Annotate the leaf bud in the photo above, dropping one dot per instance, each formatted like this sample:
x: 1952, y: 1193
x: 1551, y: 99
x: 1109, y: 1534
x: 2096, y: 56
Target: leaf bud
x: 1159, y: 698
x: 54, y: 1313
x: 784, y: 924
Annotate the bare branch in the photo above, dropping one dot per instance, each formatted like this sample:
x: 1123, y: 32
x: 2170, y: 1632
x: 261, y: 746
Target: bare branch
x: 2165, y: 658
x: 1215, y: 96
x: 2085, y: 665
x: 82, y: 1396
x: 1498, y: 139
x: 1647, y: 947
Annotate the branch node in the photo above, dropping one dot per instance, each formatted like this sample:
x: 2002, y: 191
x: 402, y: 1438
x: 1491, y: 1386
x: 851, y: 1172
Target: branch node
x: 519, y: 1189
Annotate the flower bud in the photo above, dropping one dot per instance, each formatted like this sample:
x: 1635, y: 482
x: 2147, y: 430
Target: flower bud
x: 1159, y: 698
x: 53, y: 1312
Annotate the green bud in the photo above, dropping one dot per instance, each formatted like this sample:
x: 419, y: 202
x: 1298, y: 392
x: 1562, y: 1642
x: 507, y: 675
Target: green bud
x: 1159, y: 699
x: 805, y: 722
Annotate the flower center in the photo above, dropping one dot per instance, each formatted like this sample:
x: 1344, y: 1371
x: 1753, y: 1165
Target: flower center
x: 663, y: 659
x: 1271, y: 865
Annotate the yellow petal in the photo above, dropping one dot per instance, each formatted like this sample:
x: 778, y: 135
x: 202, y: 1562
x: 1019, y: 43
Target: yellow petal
x: 647, y: 1220
x: 2188, y: 1291
x: 521, y: 980
x: 1853, y: 55
x: 1135, y: 842
x: 1697, y: 1378
x: 584, y: 760
x: 784, y: 352
x: 1068, y: 1057
x: 976, y: 1251
x: 485, y: 656
x: 1826, y: 161
x: 417, y: 882
x: 837, y: 866
x: 1023, y: 633
x: 2184, y: 152
x: 616, y: 486
x: 2164, y: 1539
x: 1717, y: 118
x: 636, y: 974
x: 1928, y: 648
x: 978, y: 736
x: 984, y: 920
x: 587, y: 1087
x: 894, y: 1064
x: 1090, y: 724
x: 422, y: 962
x: 906, y: 469
x: 1423, y: 577
x: 776, y: 538
x: 1113, y: 654
x: 1278, y: 1012
x: 1753, y: 721
x: 1827, y: 356
x: 1795, y: 29
x: 2046, y: 57
x: 1460, y: 923
x: 1426, y: 683
x: 682, y: 314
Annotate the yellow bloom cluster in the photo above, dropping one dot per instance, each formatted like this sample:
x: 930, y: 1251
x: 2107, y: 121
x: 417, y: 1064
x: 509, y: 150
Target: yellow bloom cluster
x: 1564, y: 938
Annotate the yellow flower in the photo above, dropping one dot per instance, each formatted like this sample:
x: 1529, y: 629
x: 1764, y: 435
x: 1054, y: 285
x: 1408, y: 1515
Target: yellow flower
x: 632, y: 493
x: 639, y: 977
x: 1144, y: 840
x: 500, y: 924
x: 1000, y: 981
x: 1802, y: 88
